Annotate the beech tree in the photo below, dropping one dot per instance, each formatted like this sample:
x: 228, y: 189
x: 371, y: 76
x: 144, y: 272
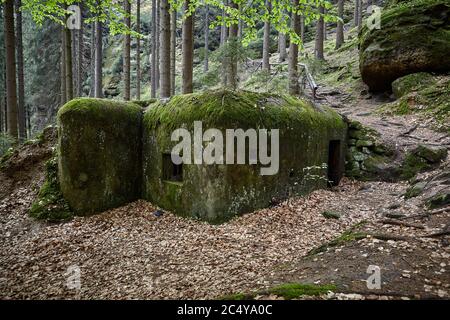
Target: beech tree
x: 293, y: 54
x: 318, y: 49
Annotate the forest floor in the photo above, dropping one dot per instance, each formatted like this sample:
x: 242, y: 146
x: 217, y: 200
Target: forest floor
x: 131, y: 253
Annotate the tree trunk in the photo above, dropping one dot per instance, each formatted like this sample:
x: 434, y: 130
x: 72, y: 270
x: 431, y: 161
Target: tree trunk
x: 158, y: 44
x: 20, y: 76
x: 324, y: 26
x: 223, y: 29
x: 266, y: 43
x: 63, y: 67
x: 127, y: 53
x: 69, y: 73
x: 165, y: 49
x: 1, y: 113
x: 74, y: 46
x: 80, y: 54
x: 302, y: 28
x: 360, y: 9
x: 153, y: 51
x: 173, y: 48
x: 340, y: 24
x: 92, y: 62
x: 206, y: 62
x: 138, y: 50
x: 187, y: 48
x: 319, y: 36
x: 356, y: 13
x: 232, y: 77
x: 293, y: 55
x: 240, y: 24
x: 282, y: 46
x: 98, y: 92
x: 11, y: 87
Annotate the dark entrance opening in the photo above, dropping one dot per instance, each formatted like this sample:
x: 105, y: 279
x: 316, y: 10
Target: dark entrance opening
x: 334, y: 163
x: 171, y: 171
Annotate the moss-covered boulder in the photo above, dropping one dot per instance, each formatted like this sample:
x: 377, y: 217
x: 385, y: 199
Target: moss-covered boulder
x: 425, y: 95
x: 216, y: 192
x: 420, y: 159
x: 411, y: 82
x: 99, y: 143
x: 414, y: 37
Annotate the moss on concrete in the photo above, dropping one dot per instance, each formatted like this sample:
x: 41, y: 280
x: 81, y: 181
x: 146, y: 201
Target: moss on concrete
x: 226, y: 108
x: 99, y: 143
x: 216, y: 193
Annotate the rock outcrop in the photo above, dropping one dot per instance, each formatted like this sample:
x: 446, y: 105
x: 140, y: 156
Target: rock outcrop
x: 414, y: 37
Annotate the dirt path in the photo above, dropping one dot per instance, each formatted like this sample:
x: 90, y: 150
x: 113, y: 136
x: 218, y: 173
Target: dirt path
x: 403, y: 132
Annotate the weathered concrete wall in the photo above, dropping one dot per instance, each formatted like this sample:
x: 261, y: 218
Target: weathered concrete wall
x: 217, y: 192
x: 99, y: 146
x: 110, y: 155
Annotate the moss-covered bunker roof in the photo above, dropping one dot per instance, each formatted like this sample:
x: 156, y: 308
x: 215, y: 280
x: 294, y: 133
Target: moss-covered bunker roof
x: 239, y: 109
x: 101, y: 108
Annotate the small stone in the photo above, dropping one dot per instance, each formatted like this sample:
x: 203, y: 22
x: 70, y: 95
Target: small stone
x: 359, y: 156
x: 441, y: 293
x: 364, y: 143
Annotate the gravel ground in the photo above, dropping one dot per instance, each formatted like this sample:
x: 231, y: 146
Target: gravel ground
x: 129, y: 253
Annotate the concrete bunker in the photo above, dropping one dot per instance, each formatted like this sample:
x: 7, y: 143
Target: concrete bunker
x: 311, y: 153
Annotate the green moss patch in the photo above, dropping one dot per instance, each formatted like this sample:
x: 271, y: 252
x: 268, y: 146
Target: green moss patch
x: 291, y: 291
x: 439, y: 200
x: 228, y: 109
x: 288, y: 291
x: 331, y: 215
x: 50, y: 204
x: 238, y: 296
x: 346, y: 237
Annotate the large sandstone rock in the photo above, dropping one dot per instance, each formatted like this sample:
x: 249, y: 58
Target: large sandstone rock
x: 414, y: 37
